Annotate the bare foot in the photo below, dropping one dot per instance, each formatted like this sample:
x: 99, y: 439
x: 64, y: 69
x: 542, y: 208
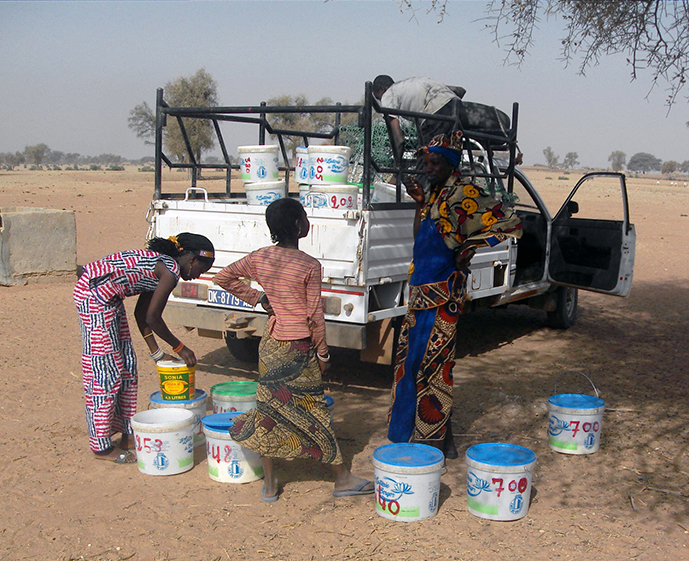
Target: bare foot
x: 127, y: 442
x: 348, y: 482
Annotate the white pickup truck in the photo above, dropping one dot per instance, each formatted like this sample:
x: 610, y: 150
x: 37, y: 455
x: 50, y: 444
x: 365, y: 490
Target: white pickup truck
x: 365, y: 252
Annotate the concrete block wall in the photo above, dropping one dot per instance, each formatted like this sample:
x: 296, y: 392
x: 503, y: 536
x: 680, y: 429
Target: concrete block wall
x: 37, y: 245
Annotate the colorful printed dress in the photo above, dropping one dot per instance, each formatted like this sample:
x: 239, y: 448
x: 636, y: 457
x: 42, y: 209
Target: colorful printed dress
x: 108, y: 361
x: 458, y: 212
x: 291, y: 419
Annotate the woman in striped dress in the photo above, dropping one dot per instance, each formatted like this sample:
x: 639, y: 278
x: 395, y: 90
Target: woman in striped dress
x: 291, y: 419
x: 108, y: 360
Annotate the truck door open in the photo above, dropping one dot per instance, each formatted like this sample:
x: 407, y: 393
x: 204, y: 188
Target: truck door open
x: 592, y: 242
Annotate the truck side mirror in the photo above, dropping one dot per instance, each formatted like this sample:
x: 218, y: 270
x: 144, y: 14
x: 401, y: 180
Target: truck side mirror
x: 572, y: 208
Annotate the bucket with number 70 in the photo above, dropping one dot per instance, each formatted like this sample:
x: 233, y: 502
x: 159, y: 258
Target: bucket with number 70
x: 575, y: 421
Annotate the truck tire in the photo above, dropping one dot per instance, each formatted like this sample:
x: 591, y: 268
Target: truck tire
x: 245, y: 350
x: 565, y: 314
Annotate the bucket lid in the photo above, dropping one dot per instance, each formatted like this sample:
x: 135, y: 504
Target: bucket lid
x: 258, y: 148
x: 408, y: 457
x: 279, y: 184
x: 162, y: 420
x: 330, y: 148
x: 174, y: 364
x: 576, y: 401
x: 329, y: 401
x: 235, y: 389
x: 199, y: 395
x: 220, y: 421
x: 499, y: 454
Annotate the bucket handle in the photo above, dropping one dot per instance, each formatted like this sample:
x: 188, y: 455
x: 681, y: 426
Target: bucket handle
x: 595, y: 389
x: 186, y: 193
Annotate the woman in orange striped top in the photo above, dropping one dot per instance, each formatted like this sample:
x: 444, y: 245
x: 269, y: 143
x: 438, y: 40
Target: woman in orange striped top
x: 291, y: 419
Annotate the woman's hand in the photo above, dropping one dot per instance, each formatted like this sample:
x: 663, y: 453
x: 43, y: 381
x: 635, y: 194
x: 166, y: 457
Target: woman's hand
x: 188, y: 356
x: 415, y: 190
x: 463, y: 256
x: 266, y: 304
x: 323, y: 365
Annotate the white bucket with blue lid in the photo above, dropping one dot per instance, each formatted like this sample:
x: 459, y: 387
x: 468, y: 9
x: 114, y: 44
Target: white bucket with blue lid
x: 228, y: 462
x: 575, y: 421
x: 197, y: 406
x: 499, y: 480
x: 164, y: 441
x: 407, y: 481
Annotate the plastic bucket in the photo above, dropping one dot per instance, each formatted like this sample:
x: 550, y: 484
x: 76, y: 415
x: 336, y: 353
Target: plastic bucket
x: 233, y: 396
x: 258, y: 163
x: 328, y: 164
x: 164, y: 441
x: 337, y: 196
x: 228, y: 462
x: 177, y: 380
x: 575, y: 421
x: 301, y: 165
x: 197, y: 406
x: 263, y: 194
x: 499, y: 480
x: 407, y: 479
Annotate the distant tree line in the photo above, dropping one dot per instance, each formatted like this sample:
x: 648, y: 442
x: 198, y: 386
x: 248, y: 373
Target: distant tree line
x: 40, y: 155
x: 641, y: 162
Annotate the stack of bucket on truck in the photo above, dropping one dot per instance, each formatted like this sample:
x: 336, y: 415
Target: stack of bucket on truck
x: 259, y: 172
x: 322, y: 173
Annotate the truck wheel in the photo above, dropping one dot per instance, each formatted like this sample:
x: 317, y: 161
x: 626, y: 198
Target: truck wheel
x: 245, y: 350
x: 565, y: 314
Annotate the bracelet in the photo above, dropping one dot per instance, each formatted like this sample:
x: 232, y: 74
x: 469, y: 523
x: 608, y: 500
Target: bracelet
x: 178, y: 347
x: 151, y: 334
x: 156, y: 356
x: 325, y: 358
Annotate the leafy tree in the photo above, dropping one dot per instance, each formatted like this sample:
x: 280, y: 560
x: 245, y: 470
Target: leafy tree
x: 199, y: 90
x: 668, y: 167
x: 571, y: 160
x: 551, y: 159
x: 143, y: 122
x: 653, y: 34
x: 643, y: 162
x: 617, y: 160
x: 309, y: 122
x: 684, y: 166
x: 36, y: 153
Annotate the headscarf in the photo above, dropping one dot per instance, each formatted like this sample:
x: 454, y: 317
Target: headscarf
x: 448, y: 146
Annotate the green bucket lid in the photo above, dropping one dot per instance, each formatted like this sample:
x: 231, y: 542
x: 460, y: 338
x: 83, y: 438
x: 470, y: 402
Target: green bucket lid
x: 235, y: 389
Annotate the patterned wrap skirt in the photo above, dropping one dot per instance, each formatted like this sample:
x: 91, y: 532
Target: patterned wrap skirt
x: 108, y: 364
x: 422, y: 391
x: 291, y: 419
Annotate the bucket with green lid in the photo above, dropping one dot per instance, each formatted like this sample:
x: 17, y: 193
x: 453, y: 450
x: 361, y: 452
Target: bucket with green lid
x: 233, y: 396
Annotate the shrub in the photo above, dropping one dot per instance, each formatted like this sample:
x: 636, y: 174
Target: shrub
x: 94, y: 167
x: 563, y: 177
x: 146, y: 168
x: 115, y: 168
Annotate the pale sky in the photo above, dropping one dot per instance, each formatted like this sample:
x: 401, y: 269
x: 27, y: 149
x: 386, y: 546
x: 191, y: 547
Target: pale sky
x: 70, y: 72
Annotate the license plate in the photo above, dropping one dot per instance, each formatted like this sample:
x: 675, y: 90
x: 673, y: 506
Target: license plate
x: 224, y: 298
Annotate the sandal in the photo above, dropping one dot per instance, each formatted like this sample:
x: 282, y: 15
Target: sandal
x: 126, y: 457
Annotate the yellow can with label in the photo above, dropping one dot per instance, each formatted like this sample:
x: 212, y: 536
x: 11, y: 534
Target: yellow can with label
x: 177, y: 380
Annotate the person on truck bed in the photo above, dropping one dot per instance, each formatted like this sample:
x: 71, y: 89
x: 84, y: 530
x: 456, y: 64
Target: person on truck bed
x: 290, y: 419
x: 453, y: 218
x: 421, y: 95
x: 108, y: 360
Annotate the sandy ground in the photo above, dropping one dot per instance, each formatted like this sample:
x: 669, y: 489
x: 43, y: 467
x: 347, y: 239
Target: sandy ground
x: 628, y: 500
